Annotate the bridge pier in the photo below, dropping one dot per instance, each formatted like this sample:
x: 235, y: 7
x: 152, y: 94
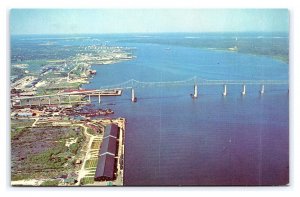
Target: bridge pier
x: 133, y: 98
x: 29, y: 102
x: 69, y: 99
x: 59, y: 100
x: 20, y: 102
x: 49, y: 100
x: 225, y: 90
x: 244, y: 90
x: 89, y: 98
x: 262, y: 90
x: 195, y: 91
x: 99, y: 98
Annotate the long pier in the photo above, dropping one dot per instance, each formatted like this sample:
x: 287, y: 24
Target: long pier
x: 116, y: 90
x: 59, y: 96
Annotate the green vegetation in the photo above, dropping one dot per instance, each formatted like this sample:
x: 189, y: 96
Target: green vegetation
x: 249, y: 44
x: 44, y: 124
x: 35, y: 174
x: 90, y: 131
x: 76, y: 132
x: 55, y: 75
x: 17, y: 71
x: 91, y: 163
x: 35, y: 65
x: 19, y: 126
x: 74, y: 148
x: 15, y: 123
x: 67, y: 85
x: 50, y: 183
x: 50, y: 158
x: 45, y: 91
x: 87, y: 180
x: 282, y: 58
x: 77, y: 71
x: 38, y: 159
x: 76, y: 98
x: 53, y: 88
x: 92, y: 173
x: 20, y: 176
x: 95, y: 145
x: 16, y: 132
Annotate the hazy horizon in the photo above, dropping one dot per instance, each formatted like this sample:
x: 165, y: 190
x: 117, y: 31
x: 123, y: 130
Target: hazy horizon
x: 146, y: 21
x: 150, y: 33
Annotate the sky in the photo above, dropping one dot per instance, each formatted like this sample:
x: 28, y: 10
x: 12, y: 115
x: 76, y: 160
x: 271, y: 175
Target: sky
x: 104, y: 21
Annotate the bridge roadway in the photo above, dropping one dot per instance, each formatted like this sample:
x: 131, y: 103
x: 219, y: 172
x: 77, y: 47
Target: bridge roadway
x: 132, y: 83
x: 113, y: 90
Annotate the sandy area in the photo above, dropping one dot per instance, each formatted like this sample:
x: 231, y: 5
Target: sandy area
x: 29, y: 182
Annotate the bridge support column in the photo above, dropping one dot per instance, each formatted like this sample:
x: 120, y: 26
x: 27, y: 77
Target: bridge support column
x: 133, y: 98
x: 262, y: 90
x: 69, y: 98
x: 20, y: 102
x: 99, y: 98
x: 225, y: 90
x: 244, y: 90
x: 29, y: 102
x: 195, y: 91
x: 49, y: 100
x: 89, y: 98
x: 59, y: 100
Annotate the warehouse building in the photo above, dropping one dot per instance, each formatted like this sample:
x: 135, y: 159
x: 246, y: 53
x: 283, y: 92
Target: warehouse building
x: 105, y: 168
x: 108, y: 151
x: 111, y: 130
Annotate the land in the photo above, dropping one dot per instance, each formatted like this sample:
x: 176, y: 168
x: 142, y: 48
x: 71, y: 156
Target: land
x: 60, y: 152
x: 50, y: 145
x: 275, y: 45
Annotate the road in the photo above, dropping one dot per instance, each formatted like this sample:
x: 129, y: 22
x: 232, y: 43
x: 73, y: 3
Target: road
x: 90, y: 153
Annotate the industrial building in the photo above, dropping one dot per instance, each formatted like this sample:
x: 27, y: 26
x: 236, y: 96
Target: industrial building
x: 111, y: 130
x: 106, y: 166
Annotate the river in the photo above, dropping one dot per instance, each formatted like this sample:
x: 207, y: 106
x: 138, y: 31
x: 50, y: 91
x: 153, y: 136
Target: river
x: 172, y: 139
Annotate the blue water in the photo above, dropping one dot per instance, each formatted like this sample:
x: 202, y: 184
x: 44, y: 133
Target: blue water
x: 172, y: 139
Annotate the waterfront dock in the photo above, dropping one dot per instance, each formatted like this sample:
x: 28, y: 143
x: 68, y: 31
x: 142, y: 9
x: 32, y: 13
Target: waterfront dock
x: 64, y: 97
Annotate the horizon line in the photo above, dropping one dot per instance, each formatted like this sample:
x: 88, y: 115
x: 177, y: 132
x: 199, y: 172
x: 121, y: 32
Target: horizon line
x: 115, y: 33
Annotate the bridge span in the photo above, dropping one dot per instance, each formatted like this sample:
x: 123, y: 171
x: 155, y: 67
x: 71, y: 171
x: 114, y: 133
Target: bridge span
x: 132, y: 83
x: 116, y: 89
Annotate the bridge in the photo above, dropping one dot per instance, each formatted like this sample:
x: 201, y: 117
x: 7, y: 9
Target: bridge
x: 132, y: 83
x: 116, y: 89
